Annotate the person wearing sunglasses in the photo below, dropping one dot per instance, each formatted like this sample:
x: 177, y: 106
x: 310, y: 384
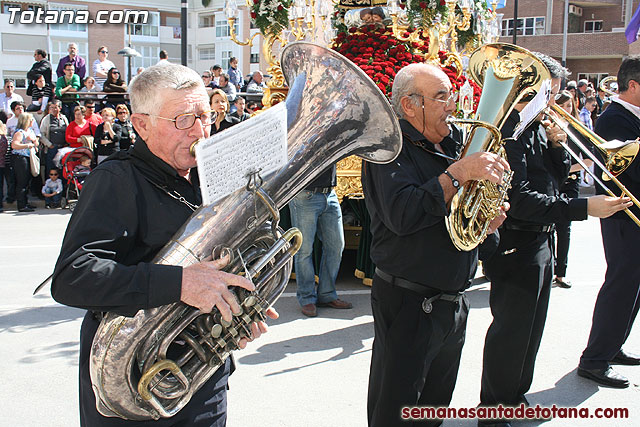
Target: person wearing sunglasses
x: 101, y: 66
x: 114, y: 84
x: 52, y: 190
x: 131, y: 205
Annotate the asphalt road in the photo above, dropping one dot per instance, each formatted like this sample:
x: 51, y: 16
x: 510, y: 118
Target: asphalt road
x: 304, y: 372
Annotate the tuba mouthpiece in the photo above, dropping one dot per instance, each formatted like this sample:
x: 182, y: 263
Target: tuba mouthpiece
x: 192, y: 149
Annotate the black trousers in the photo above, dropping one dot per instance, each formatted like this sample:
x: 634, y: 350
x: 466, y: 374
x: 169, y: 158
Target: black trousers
x: 23, y: 177
x: 619, y: 298
x: 207, y: 407
x: 10, y: 179
x: 563, y: 229
x: 520, y: 289
x: 415, y: 356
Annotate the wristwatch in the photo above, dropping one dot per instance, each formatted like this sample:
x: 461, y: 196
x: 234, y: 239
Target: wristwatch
x: 454, y: 182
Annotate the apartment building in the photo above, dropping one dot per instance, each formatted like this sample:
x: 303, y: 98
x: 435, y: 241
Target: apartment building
x: 208, y: 35
x: 596, y: 42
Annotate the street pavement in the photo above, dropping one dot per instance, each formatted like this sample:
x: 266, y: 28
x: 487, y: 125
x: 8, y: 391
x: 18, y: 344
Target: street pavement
x: 304, y: 372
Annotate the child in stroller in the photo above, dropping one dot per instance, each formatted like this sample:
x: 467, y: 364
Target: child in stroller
x: 76, y: 165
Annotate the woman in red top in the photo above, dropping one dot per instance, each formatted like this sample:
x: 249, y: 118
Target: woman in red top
x: 78, y: 127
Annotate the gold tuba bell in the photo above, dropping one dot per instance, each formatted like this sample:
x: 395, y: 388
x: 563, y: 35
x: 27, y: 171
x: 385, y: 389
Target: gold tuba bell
x: 334, y: 110
x: 506, y: 74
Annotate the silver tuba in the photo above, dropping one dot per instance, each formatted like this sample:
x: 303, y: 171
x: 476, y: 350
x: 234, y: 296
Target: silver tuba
x: 334, y: 110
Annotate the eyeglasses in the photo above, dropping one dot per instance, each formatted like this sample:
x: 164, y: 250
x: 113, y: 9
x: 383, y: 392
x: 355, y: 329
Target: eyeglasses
x: 115, y: 72
x: 53, y: 174
x: 121, y: 112
x: 104, y: 51
x: 453, y: 97
x: 89, y: 106
x: 186, y: 120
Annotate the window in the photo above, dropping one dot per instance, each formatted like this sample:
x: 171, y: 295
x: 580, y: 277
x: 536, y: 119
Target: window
x: 59, y: 48
x: 254, y: 58
x: 149, y: 57
x: 592, y: 26
x: 7, y: 6
x: 150, y: 29
x: 18, y: 77
x: 226, y: 55
x: 66, y: 20
x: 206, y: 21
x: 206, y: 54
x: 222, y: 28
x: 533, y: 26
x: 594, y: 78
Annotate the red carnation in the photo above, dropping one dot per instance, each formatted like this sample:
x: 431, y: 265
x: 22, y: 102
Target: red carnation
x: 423, y: 5
x: 280, y: 7
x: 253, y: 15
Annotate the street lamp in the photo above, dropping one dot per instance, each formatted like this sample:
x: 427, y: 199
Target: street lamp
x: 129, y: 52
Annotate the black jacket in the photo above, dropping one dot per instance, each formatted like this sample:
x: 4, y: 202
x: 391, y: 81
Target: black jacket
x: 616, y: 122
x: 121, y: 221
x: 41, y: 67
x: 538, y: 171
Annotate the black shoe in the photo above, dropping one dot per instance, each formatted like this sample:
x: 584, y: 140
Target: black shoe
x: 9, y: 200
x: 30, y: 206
x: 562, y: 283
x: 623, y: 358
x: 26, y: 209
x: 606, y: 377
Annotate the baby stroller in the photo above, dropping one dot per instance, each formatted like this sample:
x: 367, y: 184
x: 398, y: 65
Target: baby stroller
x: 73, y: 177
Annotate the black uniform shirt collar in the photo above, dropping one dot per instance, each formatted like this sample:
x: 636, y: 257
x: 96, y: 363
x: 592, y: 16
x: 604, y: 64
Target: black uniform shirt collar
x: 448, y: 144
x: 156, y: 166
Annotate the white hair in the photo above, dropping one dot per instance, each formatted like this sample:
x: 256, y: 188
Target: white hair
x: 404, y: 84
x: 146, y: 91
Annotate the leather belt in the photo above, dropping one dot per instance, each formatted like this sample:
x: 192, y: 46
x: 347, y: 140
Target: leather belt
x: 422, y: 290
x: 531, y: 228
x: 323, y: 190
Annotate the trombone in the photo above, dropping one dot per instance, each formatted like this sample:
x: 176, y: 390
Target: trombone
x: 616, y: 161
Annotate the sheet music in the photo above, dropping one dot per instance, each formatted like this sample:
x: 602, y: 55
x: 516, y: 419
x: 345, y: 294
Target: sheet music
x: 226, y: 159
x: 533, y: 108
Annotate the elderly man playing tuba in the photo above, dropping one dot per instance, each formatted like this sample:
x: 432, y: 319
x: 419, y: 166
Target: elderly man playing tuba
x: 418, y: 301
x: 131, y: 205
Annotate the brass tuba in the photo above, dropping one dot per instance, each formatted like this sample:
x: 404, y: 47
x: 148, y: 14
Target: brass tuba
x: 334, y: 110
x: 506, y: 73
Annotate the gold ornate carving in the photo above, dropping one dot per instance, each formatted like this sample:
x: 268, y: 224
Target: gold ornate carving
x: 348, y: 173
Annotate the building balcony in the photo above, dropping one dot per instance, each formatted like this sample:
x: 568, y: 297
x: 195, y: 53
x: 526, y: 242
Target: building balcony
x: 579, y: 45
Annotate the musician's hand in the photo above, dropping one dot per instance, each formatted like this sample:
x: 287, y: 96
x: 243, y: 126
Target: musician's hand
x: 258, y: 328
x: 604, y: 206
x: 497, y: 221
x: 478, y: 166
x: 554, y: 134
x: 205, y: 286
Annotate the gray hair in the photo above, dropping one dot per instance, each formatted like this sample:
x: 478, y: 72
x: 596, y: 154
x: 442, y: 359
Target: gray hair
x: 404, y: 85
x: 555, y: 68
x: 146, y: 91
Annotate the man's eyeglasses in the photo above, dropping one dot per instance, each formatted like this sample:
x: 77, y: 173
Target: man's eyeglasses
x: 453, y: 97
x: 53, y: 174
x: 186, y: 120
x: 89, y: 106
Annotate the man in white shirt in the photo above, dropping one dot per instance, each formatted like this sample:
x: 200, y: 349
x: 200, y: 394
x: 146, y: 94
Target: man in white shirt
x: 9, y: 96
x: 17, y: 108
x: 164, y: 58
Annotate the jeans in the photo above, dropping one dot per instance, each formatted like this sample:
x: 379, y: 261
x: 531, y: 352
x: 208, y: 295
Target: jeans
x: 53, y: 200
x: 317, y: 214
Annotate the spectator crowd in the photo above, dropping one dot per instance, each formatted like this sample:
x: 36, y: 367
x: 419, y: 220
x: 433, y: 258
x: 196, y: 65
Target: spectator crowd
x: 76, y: 107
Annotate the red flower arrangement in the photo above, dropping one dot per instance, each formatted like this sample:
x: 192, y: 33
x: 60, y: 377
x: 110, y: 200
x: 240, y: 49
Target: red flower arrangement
x: 381, y: 56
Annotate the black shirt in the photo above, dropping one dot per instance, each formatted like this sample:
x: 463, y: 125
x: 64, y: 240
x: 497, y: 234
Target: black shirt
x: 538, y: 171
x: 326, y: 179
x: 616, y: 122
x: 407, y: 208
x: 57, y: 129
x: 121, y: 221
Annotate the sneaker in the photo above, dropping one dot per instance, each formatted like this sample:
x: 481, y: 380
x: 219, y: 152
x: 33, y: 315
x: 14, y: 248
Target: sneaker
x: 47, y: 206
